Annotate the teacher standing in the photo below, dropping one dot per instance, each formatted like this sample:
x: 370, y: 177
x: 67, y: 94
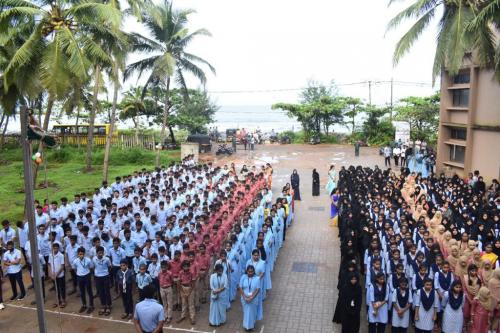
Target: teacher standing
x: 149, y: 315
x: 315, y: 183
x: 295, y: 181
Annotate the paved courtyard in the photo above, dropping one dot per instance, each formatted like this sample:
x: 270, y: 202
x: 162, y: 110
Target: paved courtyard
x: 304, y: 279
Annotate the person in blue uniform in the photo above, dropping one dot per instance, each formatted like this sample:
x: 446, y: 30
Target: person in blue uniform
x: 218, y: 287
x: 149, y: 315
x: 249, y: 289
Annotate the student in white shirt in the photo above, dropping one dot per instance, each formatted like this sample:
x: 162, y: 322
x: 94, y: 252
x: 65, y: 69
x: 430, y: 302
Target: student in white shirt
x: 56, y: 273
x: 12, y: 262
x: 6, y: 234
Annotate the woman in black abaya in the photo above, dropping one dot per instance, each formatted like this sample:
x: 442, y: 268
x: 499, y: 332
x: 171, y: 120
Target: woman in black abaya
x: 315, y: 183
x: 295, y: 181
x: 348, y: 307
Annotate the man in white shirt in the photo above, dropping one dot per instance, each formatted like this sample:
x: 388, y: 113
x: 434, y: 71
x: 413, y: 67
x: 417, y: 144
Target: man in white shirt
x: 41, y: 217
x: 12, y: 262
x: 56, y: 273
x: 396, y: 152
x: 6, y: 234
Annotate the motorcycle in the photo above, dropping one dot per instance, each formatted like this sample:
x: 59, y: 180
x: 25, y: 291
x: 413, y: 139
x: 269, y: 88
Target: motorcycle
x: 224, y: 150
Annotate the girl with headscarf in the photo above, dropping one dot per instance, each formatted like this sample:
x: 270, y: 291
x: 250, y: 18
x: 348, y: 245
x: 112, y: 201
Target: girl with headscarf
x: 402, y: 301
x: 472, y: 284
x: 486, y: 272
x: 482, y: 311
x: 315, y: 183
x: 468, y: 252
x: 476, y: 258
x: 349, y: 304
x: 446, y: 243
x: 426, y: 304
x: 332, y: 179
x: 453, y: 303
x: 295, y: 181
x: 494, y: 287
x: 453, y: 258
x: 334, y: 197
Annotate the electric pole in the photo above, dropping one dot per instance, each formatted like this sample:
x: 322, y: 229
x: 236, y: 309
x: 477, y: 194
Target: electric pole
x: 370, y: 92
x: 30, y: 216
x: 392, y: 102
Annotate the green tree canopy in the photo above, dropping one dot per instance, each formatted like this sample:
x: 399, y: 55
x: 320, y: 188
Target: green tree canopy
x: 422, y: 113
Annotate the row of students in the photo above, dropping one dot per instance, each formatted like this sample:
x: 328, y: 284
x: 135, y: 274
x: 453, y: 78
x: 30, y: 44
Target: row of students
x: 415, y: 230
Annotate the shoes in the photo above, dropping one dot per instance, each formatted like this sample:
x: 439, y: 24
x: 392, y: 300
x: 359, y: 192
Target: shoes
x: 21, y: 297
x: 193, y: 322
x: 2, y: 306
x: 90, y: 309
x: 125, y: 316
x: 168, y: 321
x: 13, y: 297
x: 82, y: 309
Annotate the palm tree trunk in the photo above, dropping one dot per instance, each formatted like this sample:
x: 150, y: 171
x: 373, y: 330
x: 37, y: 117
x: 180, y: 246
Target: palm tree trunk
x: 172, y: 136
x: 109, y: 138
x: 2, y: 140
x: 93, y: 111
x: 136, y: 123
x: 76, y: 127
x: 164, y: 123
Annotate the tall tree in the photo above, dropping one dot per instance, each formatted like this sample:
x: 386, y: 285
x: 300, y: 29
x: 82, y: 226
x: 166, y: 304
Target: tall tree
x: 132, y: 107
x: 169, y: 59
x: 353, y: 108
x: 456, y: 37
x: 422, y: 113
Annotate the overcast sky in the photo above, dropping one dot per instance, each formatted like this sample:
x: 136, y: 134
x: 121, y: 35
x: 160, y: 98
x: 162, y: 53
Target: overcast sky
x: 281, y: 44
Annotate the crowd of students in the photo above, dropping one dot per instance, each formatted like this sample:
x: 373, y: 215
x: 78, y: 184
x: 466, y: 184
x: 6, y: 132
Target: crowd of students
x: 427, y: 248
x: 195, y: 232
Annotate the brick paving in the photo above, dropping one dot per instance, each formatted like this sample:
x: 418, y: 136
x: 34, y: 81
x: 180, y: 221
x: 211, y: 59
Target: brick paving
x: 305, y: 277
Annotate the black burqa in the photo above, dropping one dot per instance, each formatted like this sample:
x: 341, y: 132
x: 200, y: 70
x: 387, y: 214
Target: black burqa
x: 315, y: 183
x: 348, y: 307
x: 295, y: 181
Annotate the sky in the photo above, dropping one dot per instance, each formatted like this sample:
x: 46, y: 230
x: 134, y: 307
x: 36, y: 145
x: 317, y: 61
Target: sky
x: 281, y: 44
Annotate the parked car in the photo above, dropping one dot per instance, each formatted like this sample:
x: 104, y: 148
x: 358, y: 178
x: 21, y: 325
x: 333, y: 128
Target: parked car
x: 203, y: 140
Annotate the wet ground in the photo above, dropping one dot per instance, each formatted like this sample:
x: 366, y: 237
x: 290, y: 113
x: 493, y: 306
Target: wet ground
x: 304, y: 279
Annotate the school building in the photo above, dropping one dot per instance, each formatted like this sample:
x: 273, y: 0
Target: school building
x: 469, y: 123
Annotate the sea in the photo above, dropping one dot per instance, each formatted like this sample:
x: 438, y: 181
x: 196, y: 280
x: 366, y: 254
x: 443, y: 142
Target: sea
x: 253, y: 117
x: 249, y: 117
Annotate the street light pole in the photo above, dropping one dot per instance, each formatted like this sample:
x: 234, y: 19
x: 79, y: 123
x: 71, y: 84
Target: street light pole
x: 30, y: 216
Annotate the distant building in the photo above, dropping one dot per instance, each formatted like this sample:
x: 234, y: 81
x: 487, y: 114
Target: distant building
x: 469, y: 123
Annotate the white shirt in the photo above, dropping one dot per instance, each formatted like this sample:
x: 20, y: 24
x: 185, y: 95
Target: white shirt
x: 55, y: 263
x: 11, y: 256
x: 7, y: 235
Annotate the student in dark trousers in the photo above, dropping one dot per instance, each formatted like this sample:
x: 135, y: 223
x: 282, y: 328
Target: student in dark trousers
x: 56, y: 273
x: 71, y: 255
x: 102, y: 266
x: 125, y: 280
x: 82, y: 266
x: 12, y: 262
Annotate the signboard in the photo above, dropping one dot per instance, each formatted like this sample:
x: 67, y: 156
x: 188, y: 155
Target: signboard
x: 402, y: 131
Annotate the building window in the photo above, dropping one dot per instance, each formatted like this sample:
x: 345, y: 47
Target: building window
x: 462, y: 78
x: 457, y: 154
x: 461, y: 97
x: 458, y: 133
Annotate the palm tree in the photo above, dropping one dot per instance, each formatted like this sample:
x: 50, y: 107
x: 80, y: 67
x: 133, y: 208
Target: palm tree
x: 170, y: 59
x: 133, y: 106
x: 455, y: 37
x: 57, y: 50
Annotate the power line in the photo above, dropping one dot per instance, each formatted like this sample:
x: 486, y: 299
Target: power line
x: 361, y: 83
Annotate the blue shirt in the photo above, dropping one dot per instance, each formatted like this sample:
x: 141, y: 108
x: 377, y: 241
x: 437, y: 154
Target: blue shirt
x: 101, y: 266
x: 117, y: 255
x: 82, y: 266
x: 149, y: 313
x: 137, y: 262
x: 143, y: 280
x: 129, y: 247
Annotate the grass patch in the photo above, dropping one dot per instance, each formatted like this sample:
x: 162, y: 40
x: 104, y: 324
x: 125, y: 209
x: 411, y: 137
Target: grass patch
x: 66, y: 175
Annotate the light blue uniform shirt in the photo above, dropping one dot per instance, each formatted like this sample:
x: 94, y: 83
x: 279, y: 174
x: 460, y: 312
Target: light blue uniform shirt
x: 117, y: 255
x: 143, y: 280
x: 129, y: 247
x: 149, y: 313
x: 101, y: 266
x: 137, y: 262
x: 82, y: 266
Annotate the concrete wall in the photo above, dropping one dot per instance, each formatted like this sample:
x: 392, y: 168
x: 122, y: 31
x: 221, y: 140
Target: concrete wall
x: 486, y: 154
